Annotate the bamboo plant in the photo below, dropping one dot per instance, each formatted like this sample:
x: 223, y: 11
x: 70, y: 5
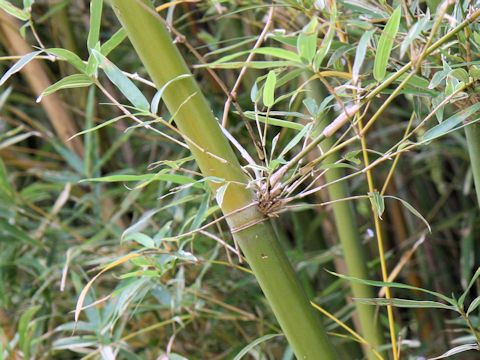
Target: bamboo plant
x: 249, y: 226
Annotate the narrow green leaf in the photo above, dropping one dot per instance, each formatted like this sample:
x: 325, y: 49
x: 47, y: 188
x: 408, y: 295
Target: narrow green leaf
x: 269, y: 89
x: 326, y: 166
x: 24, y: 60
x: 307, y: 41
x: 450, y: 124
x: 68, y: 82
x: 74, y: 342
x: 254, y: 343
x: 16, y: 139
x: 474, y: 278
x: 113, y: 42
x: 460, y: 74
x: 393, y: 285
x: 70, y: 57
x: 139, y: 225
x: 278, y: 53
x: 250, y: 65
x: 270, y: 51
x: 474, y: 304
x: 378, y: 202
x: 412, y: 210
x: 274, y: 121
x: 327, y: 41
x: 108, y: 122
x: 158, y: 96
x: 414, y: 33
x: 219, y: 195
x: 173, y: 178
x: 296, y: 139
x: 405, y: 303
x: 123, y: 83
x: 360, y: 54
x: 385, y: 45
x: 140, y: 238
x: 95, y: 21
x: 27, y: 4
x: 457, y: 350
x: 14, y: 11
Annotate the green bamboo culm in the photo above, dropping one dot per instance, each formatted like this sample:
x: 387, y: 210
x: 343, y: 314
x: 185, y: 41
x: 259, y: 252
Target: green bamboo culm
x: 350, y: 240
x: 473, y: 142
x: 215, y: 157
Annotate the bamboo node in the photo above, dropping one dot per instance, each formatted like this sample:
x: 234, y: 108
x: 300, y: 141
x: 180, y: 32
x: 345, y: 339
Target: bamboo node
x: 269, y: 201
x: 235, y: 230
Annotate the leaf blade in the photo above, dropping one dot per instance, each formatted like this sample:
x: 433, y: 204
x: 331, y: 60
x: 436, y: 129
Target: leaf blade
x: 385, y: 45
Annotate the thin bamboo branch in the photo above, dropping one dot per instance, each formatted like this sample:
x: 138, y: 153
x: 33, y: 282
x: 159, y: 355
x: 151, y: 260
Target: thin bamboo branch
x: 353, y: 252
x: 381, y: 249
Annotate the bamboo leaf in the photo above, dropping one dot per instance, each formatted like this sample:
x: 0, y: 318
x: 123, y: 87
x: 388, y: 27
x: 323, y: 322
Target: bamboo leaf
x: 173, y: 178
x: 327, y: 41
x: 326, y: 166
x: 27, y: 4
x: 103, y: 124
x: 474, y: 278
x: 113, y: 42
x: 17, y: 138
x: 270, y: 51
x: 474, y: 304
x: 83, y: 294
x: 274, y: 121
x: 158, y: 96
x: 378, y: 202
x: 460, y: 74
x: 70, y: 57
x: 360, y: 54
x: 14, y: 11
x: 254, y: 343
x: 269, y: 89
x: 412, y: 210
x: 140, y: 238
x: 451, y: 123
x: 307, y: 41
x: 278, y: 53
x: 24, y: 60
x: 414, y: 33
x: 124, y: 84
x: 394, y: 285
x: 250, y: 65
x: 296, y: 139
x: 95, y: 21
x: 405, y: 303
x: 220, y: 194
x: 74, y: 342
x: 385, y: 45
x: 457, y: 350
x: 138, y: 225
x: 68, y: 82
